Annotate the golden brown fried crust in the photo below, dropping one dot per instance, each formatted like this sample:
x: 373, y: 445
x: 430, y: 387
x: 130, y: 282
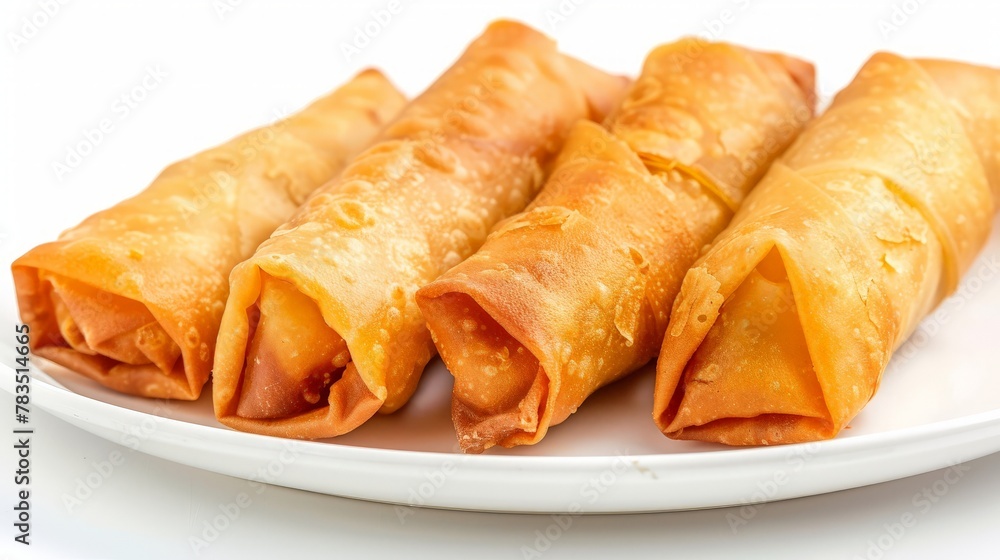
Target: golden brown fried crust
x: 782, y: 330
x: 133, y: 296
x: 575, y: 292
x: 468, y: 152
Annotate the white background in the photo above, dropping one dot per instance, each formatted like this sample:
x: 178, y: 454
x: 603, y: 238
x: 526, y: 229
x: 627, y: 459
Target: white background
x: 228, y: 70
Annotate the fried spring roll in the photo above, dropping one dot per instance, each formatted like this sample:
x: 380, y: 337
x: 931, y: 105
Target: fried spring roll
x: 783, y: 329
x: 133, y: 296
x: 574, y: 293
x: 321, y: 329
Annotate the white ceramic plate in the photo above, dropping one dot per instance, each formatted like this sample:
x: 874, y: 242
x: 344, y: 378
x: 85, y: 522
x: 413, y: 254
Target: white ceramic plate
x: 939, y: 404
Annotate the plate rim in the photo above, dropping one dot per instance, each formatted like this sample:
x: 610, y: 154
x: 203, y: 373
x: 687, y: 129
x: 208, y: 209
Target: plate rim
x: 704, y: 458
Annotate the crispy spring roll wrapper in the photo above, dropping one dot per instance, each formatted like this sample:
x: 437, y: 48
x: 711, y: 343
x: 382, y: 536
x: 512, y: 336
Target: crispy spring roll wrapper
x: 783, y: 329
x: 321, y: 329
x: 574, y: 293
x: 133, y: 296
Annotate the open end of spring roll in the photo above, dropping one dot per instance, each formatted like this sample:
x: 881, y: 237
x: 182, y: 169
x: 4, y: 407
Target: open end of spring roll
x: 338, y: 281
x: 133, y: 296
x: 500, y: 319
x: 296, y: 356
x: 510, y: 394
x: 574, y: 293
x: 298, y: 371
x: 725, y: 386
x: 100, y: 330
x: 783, y: 329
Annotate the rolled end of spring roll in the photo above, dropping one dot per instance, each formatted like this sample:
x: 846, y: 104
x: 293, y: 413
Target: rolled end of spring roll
x: 782, y: 330
x: 321, y: 329
x: 133, y: 296
x: 575, y: 292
